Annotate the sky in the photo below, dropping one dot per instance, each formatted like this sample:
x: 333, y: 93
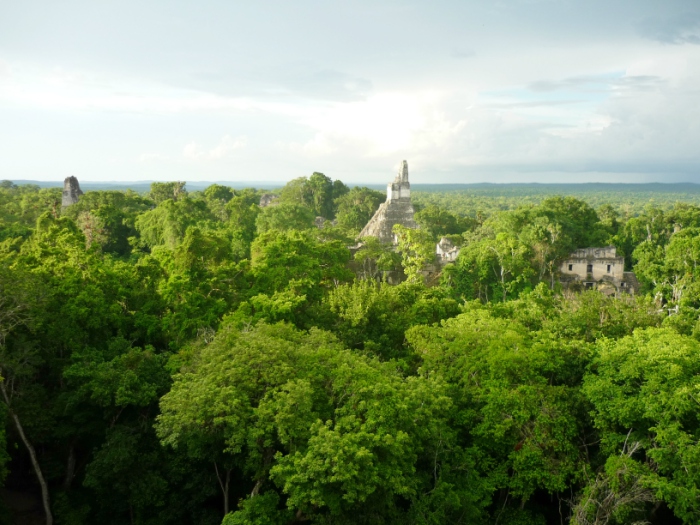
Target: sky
x: 466, y: 91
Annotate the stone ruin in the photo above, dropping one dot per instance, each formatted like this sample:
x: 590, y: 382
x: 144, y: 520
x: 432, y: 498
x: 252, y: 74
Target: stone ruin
x: 396, y: 210
x: 71, y: 191
x: 446, y: 251
x: 600, y: 269
x: 268, y: 199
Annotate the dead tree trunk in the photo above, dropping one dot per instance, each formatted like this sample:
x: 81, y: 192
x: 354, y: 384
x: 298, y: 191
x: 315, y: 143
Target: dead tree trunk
x: 70, y: 468
x: 32, y: 455
x: 224, y: 483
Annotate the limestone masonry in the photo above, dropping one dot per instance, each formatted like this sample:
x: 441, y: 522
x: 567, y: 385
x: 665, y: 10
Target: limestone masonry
x: 446, y: 251
x: 268, y: 199
x: 396, y: 210
x: 71, y: 191
x: 598, y: 268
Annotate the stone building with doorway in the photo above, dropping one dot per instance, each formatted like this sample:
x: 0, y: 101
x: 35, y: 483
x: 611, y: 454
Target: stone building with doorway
x: 598, y: 268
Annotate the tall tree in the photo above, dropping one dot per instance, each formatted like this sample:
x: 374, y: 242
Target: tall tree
x: 417, y: 250
x: 644, y: 392
x: 18, y: 364
x: 162, y: 191
x: 334, y: 435
x: 356, y: 207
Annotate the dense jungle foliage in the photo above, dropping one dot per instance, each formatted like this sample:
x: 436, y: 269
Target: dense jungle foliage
x: 484, y: 199
x: 190, y: 357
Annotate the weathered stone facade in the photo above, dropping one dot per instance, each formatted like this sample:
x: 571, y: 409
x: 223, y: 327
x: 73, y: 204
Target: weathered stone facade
x: 598, y: 268
x: 396, y: 210
x: 268, y: 199
x: 71, y: 191
x: 446, y: 251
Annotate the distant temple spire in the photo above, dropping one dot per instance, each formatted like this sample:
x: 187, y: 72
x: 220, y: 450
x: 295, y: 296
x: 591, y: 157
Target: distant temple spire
x: 71, y: 191
x: 396, y: 210
x: 400, y: 189
x: 402, y: 175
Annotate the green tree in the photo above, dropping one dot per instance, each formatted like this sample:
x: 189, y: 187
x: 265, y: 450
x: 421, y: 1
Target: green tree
x: 439, y: 222
x: 167, y: 223
x: 243, y: 210
x: 373, y: 317
x: 162, y: 191
x: 317, y: 192
x: 17, y: 365
x: 217, y: 196
x: 199, y: 281
x: 339, y: 189
x: 297, y: 260
x: 84, y: 303
x: 492, y: 269
x: 107, y: 218
x: 519, y: 406
x: 321, y: 191
x: 375, y: 258
x: 609, y: 219
x: 579, y: 221
x: 282, y: 217
x: 644, y: 392
x: 356, y: 207
x: 417, y: 251
x: 332, y: 434
x: 548, y: 246
x: 671, y: 269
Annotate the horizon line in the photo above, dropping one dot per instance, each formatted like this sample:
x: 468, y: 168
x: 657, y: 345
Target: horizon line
x: 350, y: 183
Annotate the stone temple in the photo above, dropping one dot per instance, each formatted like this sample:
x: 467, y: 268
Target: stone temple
x: 71, y: 191
x: 396, y: 210
x: 600, y: 269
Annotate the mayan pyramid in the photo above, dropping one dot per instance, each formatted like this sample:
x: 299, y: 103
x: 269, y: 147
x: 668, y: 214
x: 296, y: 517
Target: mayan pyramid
x: 396, y: 210
x: 71, y: 191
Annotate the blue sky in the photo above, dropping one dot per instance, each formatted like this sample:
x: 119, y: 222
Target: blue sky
x: 466, y: 91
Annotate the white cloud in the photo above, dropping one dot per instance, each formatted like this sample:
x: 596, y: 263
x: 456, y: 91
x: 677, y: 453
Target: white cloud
x: 644, y: 120
x: 319, y: 146
x: 150, y: 157
x: 226, y: 146
x: 385, y: 123
x: 517, y: 103
x: 62, y: 89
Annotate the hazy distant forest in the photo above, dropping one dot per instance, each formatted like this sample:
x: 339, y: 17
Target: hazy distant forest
x: 180, y: 357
